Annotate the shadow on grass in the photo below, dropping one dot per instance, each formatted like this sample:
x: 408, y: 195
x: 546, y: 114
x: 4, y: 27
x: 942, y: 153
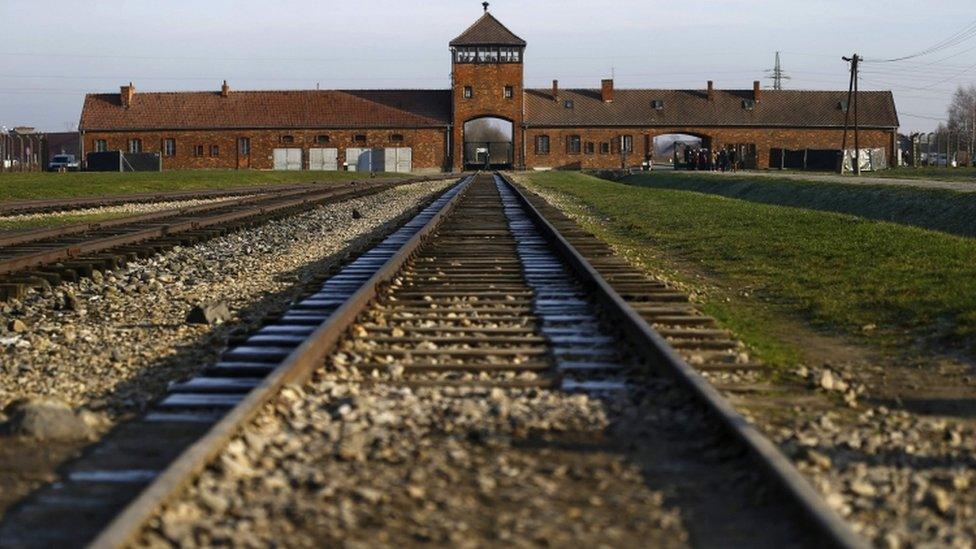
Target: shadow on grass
x: 944, y: 211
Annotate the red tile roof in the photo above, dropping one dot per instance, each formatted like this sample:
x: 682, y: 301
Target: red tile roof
x: 487, y: 31
x: 269, y: 109
x: 632, y: 107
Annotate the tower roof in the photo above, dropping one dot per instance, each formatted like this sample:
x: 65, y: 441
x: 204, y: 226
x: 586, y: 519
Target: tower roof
x: 487, y: 31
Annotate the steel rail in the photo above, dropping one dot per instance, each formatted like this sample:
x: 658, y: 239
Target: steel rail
x: 296, y: 367
x: 656, y: 350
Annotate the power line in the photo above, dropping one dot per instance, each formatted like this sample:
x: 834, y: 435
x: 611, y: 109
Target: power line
x: 968, y: 32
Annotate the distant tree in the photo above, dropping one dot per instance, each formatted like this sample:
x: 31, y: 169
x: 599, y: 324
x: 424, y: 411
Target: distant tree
x: 961, y: 116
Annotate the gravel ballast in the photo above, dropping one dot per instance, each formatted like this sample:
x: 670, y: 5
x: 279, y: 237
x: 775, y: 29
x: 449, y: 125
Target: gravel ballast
x: 108, y: 345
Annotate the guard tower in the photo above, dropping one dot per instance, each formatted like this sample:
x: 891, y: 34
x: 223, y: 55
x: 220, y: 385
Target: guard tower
x: 487, y: 86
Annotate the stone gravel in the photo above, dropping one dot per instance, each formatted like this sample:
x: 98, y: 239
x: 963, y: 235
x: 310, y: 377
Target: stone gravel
x: 111, y: 343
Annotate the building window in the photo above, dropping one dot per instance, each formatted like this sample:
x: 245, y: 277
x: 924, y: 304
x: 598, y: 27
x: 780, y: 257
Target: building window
x: 321, y: 139
x: 244, y: 145
x: 198, y: 150
x: 589, y: 147
x: 573, y: 144
x: 397, y: 138
x: 604, y: 148
x: 169, y: 147
x: 468, y: 92
x: 628, y: 143
x: 135, y: 145
x: 542, y: 144
x: 568, y: 104
x: 657, y: 104
x: 214, y: 150
x: 287, y: 138
x: 748, y: 104
x: 509, y: 92
x: 359, y: 138
x: 100, y: 146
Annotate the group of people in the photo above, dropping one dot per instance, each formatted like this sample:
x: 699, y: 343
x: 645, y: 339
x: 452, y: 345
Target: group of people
x: 724, y: 159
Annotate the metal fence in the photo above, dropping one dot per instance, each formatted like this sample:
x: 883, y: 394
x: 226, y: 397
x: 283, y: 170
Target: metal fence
x: 22, y: 152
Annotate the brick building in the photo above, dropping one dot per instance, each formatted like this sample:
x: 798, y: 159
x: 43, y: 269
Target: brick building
x: 431, y: 130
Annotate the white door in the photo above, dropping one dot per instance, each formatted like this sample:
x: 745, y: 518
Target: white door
x: 358, y: 159
x: 404, y: 162
x: 398, y: 159
x: 288, y: 159
x: 323, y: 159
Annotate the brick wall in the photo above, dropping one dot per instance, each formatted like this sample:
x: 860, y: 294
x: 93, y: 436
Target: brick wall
x: 487, y: 83
x: 763, y: 138
x: 429, y: 145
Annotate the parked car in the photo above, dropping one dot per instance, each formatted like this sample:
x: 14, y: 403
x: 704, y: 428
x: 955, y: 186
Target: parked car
x: 63, y: 162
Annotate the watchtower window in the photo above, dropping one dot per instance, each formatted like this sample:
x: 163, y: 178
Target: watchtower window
x: 509, y: 92
x: 468, y: 92
x: 488, y: 54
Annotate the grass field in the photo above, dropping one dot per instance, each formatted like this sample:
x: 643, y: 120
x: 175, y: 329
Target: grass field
x: 38, y: 185
x: 883, y: 283
x: 940, y: 210
x: 965, y: 173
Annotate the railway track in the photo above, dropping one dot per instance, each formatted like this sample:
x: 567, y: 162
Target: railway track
x: 43, y: 257
x: 478, y: 291
x: 17, y: 207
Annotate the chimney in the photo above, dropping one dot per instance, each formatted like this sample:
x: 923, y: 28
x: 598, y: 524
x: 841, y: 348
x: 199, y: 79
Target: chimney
x: 606, y: 90
x: 711, y: 91
x: 755, y: 90
x: 224, y: 89
x: 555, y: 90
x: 127, y: 93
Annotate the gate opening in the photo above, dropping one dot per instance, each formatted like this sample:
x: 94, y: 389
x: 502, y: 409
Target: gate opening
x: 488, y: 143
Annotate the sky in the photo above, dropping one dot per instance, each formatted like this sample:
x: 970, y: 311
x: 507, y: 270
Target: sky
x: 53, y: 52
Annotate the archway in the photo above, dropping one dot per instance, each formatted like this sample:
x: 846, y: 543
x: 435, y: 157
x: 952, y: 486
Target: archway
x: 488, y: 143
x: 680, y: 151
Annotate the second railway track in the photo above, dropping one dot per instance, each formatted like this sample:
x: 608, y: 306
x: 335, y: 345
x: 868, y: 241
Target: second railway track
x: 479, y: 291
x: 42, y: 257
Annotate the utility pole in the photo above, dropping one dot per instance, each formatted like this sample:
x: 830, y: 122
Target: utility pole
x: 852, y: 101
x: 972, y: 138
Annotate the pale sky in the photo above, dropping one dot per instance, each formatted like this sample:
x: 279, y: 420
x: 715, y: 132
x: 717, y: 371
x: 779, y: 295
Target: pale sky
x: 52, y: 52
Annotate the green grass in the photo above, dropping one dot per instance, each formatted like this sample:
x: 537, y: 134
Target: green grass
x: 964, y: 173
x: 834, y: 272
x: 41, y: 185
x: 51, y: 221
x: 941, y: 210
